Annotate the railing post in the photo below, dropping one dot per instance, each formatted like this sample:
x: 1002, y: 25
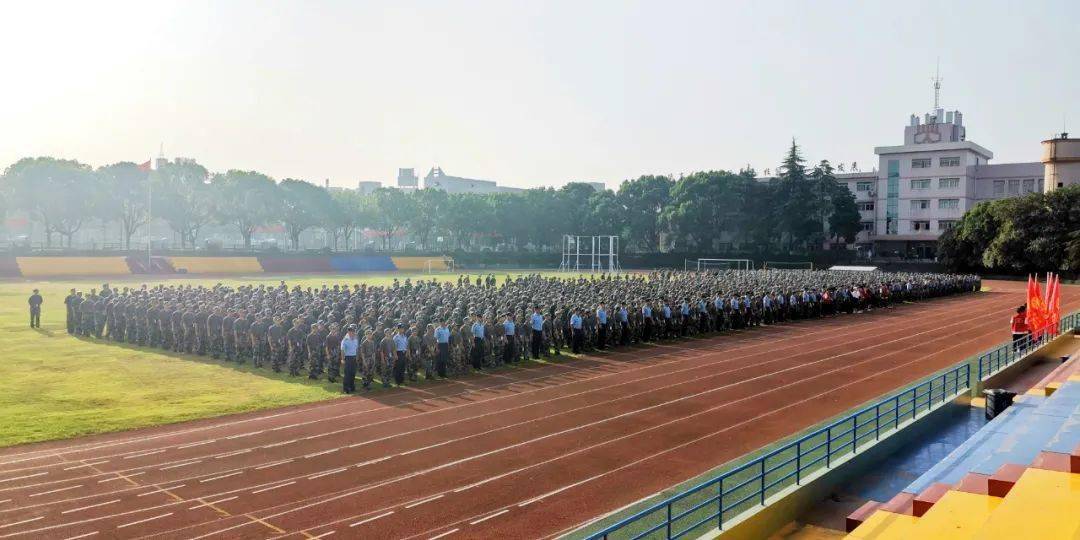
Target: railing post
x: 828, y: 447
x: 762, y: 482
x: 669, y: 521
x: 877, y: 422
x: 798, y: 463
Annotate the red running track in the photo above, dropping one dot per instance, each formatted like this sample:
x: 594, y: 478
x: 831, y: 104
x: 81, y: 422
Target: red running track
x: 526, y: 453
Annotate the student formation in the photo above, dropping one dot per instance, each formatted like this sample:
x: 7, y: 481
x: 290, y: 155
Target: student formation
x: 443, y: 328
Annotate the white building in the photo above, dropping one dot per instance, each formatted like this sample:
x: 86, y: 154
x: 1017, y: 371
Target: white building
x: 923, y: 186
x: 437, y: 179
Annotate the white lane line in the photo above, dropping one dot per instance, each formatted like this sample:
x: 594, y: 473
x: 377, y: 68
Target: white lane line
x: 24, y: 477
x: 208, y: 503
x: 193, y: 445
x: 121, y: 477
x: 282, y: 443
x: 142, y: 454
x: 81, y: 536
x: 274, y: 464
x: 496, y: 514
x: 273, y: 487
x: 144, y: 520
x: 447, y: 533
x: 85, y: 465
x: 57, y: 490
x: 326, y: 473
x: 370, y: 519
x: 373, y: 461
x: 21, y: 522
x: 424, y: 448
x: 178, y: 465
x: 323, y: 453
x: 90, y: 506
x: 323, y: 535
x: 219, y: 477
x: 161, y: 490
x: 422, y: 501
x: 5, y: 501
x: 236, y: 453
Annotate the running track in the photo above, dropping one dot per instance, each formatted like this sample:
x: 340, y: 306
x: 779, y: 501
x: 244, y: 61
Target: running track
x: 526, y: 453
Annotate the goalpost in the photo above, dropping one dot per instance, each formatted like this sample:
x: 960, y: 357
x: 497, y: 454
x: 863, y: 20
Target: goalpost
x: 445, y: 264
x: 590, y: 253
x: 717, y: 264
x: 788, y: 265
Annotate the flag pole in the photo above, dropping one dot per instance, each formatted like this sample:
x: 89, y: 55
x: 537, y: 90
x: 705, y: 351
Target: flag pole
x: 149, y: 220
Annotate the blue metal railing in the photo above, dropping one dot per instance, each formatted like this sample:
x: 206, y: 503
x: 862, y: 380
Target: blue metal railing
x: 1002, y: 356
x: 708, y: 504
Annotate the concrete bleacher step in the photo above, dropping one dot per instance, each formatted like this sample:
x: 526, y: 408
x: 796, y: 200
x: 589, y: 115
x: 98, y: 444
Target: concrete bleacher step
x: 900, y: 504
x: 926, y: 498
x: 1053, y: 461
x: 860, y: 515
x: 955, y: 515
x: 884, y: 525
x: 999, y: 483
x: 1042, y: 504
x: 973, y: 483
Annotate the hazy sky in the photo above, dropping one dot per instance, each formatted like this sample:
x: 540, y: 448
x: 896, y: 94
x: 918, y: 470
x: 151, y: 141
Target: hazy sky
x: 525, y: 93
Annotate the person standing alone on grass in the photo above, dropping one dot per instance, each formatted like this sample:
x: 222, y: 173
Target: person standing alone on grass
x: 35, y: 302
x: 349, y: 347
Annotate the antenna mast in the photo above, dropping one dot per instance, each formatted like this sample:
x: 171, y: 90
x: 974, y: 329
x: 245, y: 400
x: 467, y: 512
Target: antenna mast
x: 937, y: 85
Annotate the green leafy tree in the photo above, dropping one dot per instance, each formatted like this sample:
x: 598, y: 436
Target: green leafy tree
x: 643, y: 199
x: 428, y: 207
x: 247, y: 200
x: 705, y: 208
x: 59, y: 194
x: 393, y: 209
x: 349, y: 213
x: 794, y: 209
x: 834, y: 204
x: 183, y: 198
x: 125, y: 186
x: 303, y: 205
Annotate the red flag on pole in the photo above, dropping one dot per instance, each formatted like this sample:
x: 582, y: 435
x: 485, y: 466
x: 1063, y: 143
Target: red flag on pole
x: 1036, y: 309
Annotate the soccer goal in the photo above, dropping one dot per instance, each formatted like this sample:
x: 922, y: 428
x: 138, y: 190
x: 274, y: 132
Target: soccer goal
x: 702, y: 265
x: 788, y: 265
x: 445, y: 264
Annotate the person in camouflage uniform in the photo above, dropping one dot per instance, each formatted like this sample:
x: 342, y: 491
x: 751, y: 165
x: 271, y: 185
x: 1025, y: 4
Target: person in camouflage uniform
x: 332, y: 350
x: 297, y: 344
x: 368, y: 360
x: 314, y: 343
x: 279, y: 345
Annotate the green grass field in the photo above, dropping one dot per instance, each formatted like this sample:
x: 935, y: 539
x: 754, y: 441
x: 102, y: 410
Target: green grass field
x: 55, y: 386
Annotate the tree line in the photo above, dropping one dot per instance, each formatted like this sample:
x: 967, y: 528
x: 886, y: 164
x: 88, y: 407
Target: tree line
x: 1037, y: 232
x: 798, y: 210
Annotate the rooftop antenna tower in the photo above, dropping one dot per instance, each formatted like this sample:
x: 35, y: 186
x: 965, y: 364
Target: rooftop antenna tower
x: 937, y: 85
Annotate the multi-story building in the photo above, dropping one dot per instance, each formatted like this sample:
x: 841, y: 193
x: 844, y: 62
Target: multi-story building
x: 437, y: 179
x: 922, y: 187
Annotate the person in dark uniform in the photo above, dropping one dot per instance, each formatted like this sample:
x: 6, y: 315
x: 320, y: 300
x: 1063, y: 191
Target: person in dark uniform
x: 478, y: 341
x: 69, y: 304
x: 537, y: 324
x: 35, y: 302
x: 401, y: 353
x: 442, y: 342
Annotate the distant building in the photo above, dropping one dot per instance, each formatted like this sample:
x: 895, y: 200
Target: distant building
x: 406, y: 178
x: 437, y: 179
x: 598, y: 186
x: 1061, y: 156
x: 367, y: 187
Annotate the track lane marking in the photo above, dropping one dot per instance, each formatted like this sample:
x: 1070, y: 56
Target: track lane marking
x: 90, y: 506
x: 370, y: 519
x: 447, y: 533
x: 496, y: 514
x: 167, y: 514
x: 423, y: 501
x: 69, y: 488
x: 273, y: 487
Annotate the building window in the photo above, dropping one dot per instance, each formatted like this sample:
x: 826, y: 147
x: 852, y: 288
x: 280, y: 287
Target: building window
x: 946, y: 224
x: 920, y: 163
x: 949, y: 162
x: 948, y: 204
x: 948, y: 183
x: 1029, y: 185
x: 864, y: 186
x: 866, y: 206
x: 1014, y: 186
x: 866, y: 226
x: 920, y: 183
x: 920, y: 204
x: 892, y: 201
x: 999, y: 188
x: 920, y: 225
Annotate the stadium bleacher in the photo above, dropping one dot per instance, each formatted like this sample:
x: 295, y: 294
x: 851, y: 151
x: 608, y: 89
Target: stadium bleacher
x: 36, y: 267
x: 1018, y: 477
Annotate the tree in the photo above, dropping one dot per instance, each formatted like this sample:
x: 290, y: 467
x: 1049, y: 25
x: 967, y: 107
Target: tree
x: 125, y: 184
x: 303, y: 204
x: 182, y: 198
x: 59, y: 194
x: 794, y: 205
x: 349, y: 212
x: 246, y: 199
x: 643, y: 199
x: 393, y: 209
x: 467, y: 213
x: 705, y: 206
x: 833, y: 205
x: 428, y: 206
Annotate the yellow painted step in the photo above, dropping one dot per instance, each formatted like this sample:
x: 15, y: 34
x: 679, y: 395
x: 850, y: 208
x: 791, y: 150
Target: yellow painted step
x: 885, y: 526
x: 956, y: 515
x: 1043, y: 504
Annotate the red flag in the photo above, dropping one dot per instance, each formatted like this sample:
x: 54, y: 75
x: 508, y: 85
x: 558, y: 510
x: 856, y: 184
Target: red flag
x: 1054, y: 303
x: 1036, y: 309
x: 145, y: 167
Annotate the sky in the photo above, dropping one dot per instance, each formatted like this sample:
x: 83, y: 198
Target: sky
x: 527, y: 93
